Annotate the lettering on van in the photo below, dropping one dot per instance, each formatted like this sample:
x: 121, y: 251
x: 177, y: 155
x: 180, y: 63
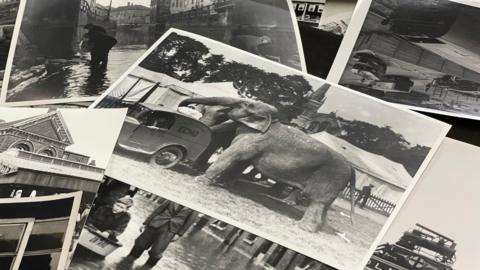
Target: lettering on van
x: 188, y: 131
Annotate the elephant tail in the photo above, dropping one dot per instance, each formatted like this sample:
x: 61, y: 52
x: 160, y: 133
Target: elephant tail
x: 352, y: 194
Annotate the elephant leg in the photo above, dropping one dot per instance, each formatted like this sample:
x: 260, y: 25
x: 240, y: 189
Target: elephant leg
x: 324, y: 227
x: 235, y: 155
x: 309, y: 221
x: 323, y: 187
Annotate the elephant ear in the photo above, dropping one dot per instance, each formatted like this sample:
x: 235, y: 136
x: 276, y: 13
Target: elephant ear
x: 258, y: 122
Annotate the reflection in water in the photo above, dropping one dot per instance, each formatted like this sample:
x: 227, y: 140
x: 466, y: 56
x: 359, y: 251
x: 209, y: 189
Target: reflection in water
x: 69, y: 78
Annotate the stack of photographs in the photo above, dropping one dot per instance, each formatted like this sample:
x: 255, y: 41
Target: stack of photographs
x: 424, y: 55
x: 172, y: 134
x: 221, y: 140
x: 51, y: 166
x: 321, y: 26
x: 76, y: 56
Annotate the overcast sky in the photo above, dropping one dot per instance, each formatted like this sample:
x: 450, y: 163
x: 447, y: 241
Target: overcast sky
x: 94, y: 132
x: 446, y: 200
x: 347, y: 103
x: 119, y: 3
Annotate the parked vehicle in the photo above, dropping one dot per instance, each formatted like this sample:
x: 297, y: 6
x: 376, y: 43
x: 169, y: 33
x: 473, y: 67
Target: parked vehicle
x: 420, y: 248
x: 368, y: 65
x: 165, y: 135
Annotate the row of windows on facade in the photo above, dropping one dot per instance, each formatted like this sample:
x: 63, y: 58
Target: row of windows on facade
x: 25, y: 147
x: 188, y: 3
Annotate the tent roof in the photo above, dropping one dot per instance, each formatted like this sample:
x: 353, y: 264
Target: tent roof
x: 372, y: 164
x: 218, y: 89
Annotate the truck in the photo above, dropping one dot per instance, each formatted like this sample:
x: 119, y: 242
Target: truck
x: 419, y: 248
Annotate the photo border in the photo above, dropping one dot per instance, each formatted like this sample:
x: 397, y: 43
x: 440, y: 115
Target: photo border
x: 13, y: 45
x: 282, y: 242
x: 11, y: 51
x: 350, y: 39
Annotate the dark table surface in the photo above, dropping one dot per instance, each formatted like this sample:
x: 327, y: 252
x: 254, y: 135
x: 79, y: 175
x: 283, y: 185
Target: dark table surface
x: 465, y: 130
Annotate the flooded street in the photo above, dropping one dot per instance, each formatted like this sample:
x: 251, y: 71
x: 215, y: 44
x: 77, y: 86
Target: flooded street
x: 70, y: 78
x: 200, y: 250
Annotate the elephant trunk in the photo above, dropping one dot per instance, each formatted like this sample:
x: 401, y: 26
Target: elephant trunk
x: 211, y: 101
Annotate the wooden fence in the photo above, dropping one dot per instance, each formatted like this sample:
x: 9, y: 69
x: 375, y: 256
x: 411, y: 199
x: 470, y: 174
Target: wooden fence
x: 374, y: 203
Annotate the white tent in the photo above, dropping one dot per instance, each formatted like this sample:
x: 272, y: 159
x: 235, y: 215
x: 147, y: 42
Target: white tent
x: 149, y: 78
x: 390, y: 179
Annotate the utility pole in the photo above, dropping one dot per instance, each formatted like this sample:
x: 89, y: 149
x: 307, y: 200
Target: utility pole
x: 109, y: 10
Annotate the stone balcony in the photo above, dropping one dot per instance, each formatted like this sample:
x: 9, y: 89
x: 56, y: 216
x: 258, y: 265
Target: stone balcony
x: 33, y: 161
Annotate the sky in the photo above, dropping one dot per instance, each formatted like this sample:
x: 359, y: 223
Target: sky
x: 119, y: 3
x: 94, y: 132
x: 446, y: 200
x: 348, y: 104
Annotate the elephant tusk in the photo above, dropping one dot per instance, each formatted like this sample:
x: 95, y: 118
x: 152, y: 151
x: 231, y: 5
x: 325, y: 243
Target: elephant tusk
x: 343, y: 236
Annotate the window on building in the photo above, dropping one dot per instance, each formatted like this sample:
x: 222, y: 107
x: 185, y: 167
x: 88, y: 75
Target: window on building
x: 22, y: 146
x: 47, y: 152
x: 13, y: 240
x: 47, y: 236
x: 312, y: 7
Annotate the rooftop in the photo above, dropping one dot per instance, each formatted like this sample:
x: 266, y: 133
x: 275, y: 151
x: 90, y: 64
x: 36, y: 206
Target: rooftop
x: 21, y: 159
x: 372, y: 164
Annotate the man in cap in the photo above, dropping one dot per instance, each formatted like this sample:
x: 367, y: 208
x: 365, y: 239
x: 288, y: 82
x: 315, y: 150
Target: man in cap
x: 112, y: 220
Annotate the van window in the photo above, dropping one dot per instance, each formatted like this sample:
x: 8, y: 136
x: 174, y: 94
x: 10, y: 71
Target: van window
x: 159, y: 119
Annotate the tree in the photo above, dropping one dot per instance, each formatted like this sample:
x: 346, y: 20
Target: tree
x: 378, y: 140
x: 287, y: 93
x: 180, y: 57
x: 189, y: 60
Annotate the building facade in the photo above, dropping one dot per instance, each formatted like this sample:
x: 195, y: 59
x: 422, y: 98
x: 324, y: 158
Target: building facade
x: 130, y: 14
x: 8, y: 11
x: 34, y: 158
x: 45, y: 135
x: 177, y: 6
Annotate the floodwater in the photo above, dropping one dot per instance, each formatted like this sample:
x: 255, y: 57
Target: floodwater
x: 71, y: 78
x: 199, y: 249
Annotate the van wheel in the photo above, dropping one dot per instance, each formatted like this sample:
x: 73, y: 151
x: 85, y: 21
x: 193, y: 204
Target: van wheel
x: 167, y: 157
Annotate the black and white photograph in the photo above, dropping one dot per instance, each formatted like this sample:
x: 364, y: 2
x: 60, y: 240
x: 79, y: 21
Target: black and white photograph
x: 437, y: 227
x: 322, y: 25
x: 130, y: 228
x: 421, y: 54
x: 47, y: 152
x: 36, y: 231
x: 8, y: 15
x: 72, y: 50
x: 267, y: 148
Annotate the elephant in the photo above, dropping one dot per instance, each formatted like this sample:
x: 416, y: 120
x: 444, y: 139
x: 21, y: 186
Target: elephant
x: 282, y: 153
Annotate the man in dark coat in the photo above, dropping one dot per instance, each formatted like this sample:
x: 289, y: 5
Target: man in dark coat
x: 165, y: 225
x: 99, y: 43
x: 364, y: 195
